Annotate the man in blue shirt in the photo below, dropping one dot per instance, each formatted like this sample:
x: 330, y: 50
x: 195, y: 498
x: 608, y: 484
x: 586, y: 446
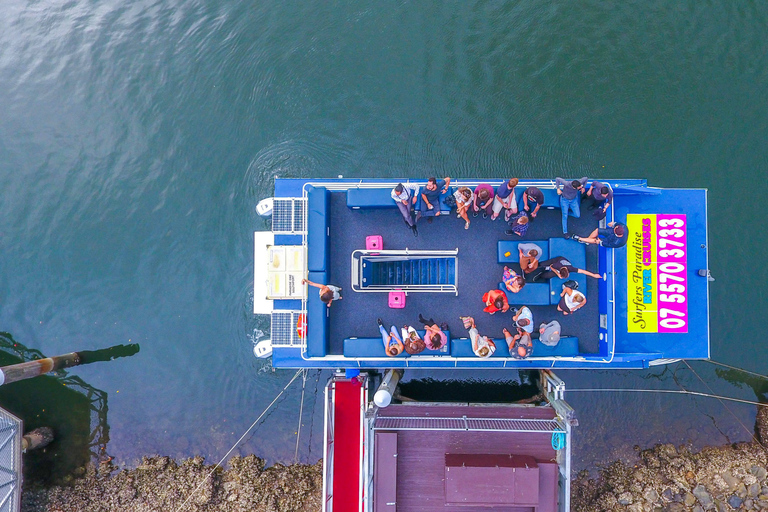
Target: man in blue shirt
x: 570, y: 192
x: 613, y: 236
x: 601, y: 196
x: 430, y: 196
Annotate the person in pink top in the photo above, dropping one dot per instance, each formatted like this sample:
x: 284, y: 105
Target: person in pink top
x: 483, y: 200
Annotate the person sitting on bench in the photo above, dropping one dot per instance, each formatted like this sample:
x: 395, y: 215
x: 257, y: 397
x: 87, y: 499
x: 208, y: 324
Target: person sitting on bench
x: 613, y: 236
x: 520, y: 345
x: 405, y: 197
x: 464, y: 197
x: 484, y: 196
x: 529, y: 257
x: 481, y: 345
x: 533, y: 198
x: 430, y: 197
x: 434, y: 337
x: 505, y: 200
x: 561, y: 267
x: 512, y: 280
x: 413, y: 344
x: 393, y: 346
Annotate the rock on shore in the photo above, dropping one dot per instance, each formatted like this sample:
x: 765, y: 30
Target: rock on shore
x: 161, y: 484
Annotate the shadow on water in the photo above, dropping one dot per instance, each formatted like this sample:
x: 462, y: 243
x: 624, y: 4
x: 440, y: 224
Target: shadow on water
x: 75, y: 410
x: 472, y: 390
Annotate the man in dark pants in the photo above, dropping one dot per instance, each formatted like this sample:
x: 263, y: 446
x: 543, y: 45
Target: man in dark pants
x: 430, y: 197
x: 405, y: 196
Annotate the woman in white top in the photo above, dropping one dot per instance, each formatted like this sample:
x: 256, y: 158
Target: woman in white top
x: 464, y: 198
x: 481, y: 345
x: 570, y: 300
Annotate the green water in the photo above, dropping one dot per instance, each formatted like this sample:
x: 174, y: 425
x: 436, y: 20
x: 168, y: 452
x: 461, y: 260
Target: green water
x: 136, y: 138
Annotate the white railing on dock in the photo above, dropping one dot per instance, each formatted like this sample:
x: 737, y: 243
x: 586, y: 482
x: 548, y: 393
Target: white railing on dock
x: 10, y: 462
x: 467, y: 424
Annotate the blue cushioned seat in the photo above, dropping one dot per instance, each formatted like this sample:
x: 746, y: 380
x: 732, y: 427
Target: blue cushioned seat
x: 510, y: 246
x: 575, y: 253
x: 366, y: 198
x: 568, y: 346
x: 374, y: 347
x: 444, y: 208
x: 318, y: 229
x: 532, y: 294
x: 317, y: 318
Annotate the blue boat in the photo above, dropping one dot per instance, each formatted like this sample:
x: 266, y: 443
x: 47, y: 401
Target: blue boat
x: 649, y: 305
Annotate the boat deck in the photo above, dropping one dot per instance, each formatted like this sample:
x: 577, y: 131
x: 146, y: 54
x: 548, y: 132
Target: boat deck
x: 478, y: 272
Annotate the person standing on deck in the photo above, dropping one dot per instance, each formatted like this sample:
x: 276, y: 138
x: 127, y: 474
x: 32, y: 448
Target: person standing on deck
x: 523, y: 318
x: 549, y: 334
x: 405, y: 196
x: 393, y: 346
x: 495, y: 300
x: 601, y: 196
x: 484, y: 195
x: 328, y: 292
x: 570, y: 193
x: 430, y: 197
x: 570, y: 300
x: 505, y: 199
x: 532, y: 198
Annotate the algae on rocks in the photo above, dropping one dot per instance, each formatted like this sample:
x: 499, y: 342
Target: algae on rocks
x: 161, y: 484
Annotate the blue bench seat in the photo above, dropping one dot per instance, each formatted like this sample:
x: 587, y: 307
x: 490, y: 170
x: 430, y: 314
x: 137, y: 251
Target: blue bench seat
x: 568, y: 346
x: 510, y: 246
x: 577, y: 255
x: 317, y: 318
x: 370, y: 198
x: 532, y: 294
x: 374, y: 347
x: 318, y: 229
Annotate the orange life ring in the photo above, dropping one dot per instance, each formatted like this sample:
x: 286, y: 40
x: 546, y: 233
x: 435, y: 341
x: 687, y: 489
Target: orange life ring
x: 301, y: 326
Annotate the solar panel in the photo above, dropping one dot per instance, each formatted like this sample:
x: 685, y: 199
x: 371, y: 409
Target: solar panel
x: 288, y: 215
x: 284, y: 328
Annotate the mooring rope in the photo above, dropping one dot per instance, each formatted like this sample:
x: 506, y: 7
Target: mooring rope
x: 669, y: 391
x: 738, y: 369
x: 721, y: 401
x: 301, y: 410
x: 218, y: 464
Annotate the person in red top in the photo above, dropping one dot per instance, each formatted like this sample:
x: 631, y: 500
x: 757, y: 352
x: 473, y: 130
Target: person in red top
x: 495, y: 300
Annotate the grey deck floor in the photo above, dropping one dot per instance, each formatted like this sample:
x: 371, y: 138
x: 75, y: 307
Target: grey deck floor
x: 478, y: 272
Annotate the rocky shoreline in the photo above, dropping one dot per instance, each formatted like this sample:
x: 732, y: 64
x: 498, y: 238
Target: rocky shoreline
x: 161, y: 484
x: 670, y: 479
x: 665, y: 478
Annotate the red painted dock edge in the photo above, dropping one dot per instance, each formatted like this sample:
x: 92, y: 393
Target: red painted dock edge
x: 346, y: 446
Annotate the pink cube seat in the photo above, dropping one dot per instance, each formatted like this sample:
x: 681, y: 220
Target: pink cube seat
x: 374, y: 243
x: 397, y: 299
